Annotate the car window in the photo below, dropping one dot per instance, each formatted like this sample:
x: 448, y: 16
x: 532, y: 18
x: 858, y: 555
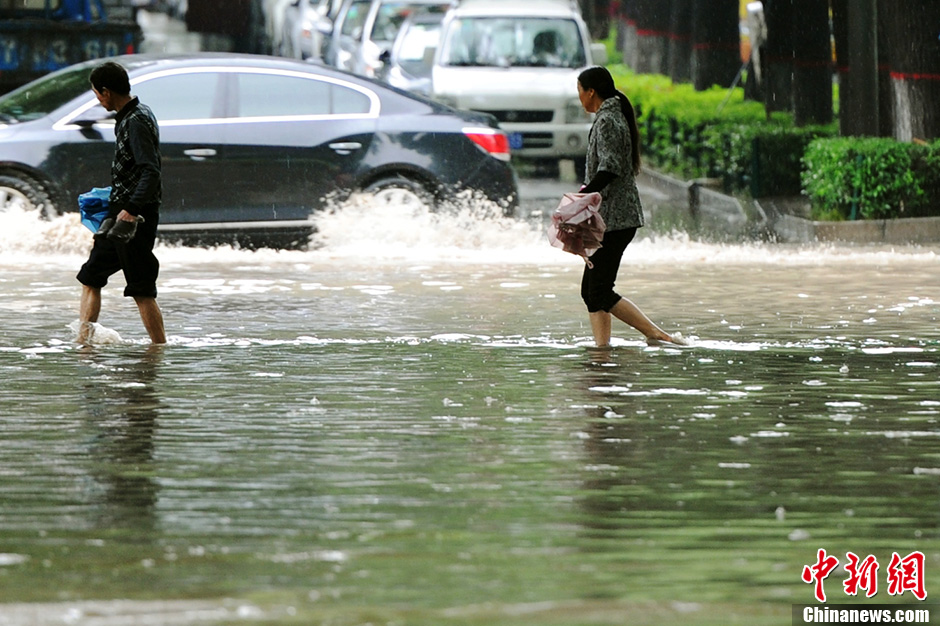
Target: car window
x: 265, y: 95
x: 186, y: 96
x: 356, y: 18
x: 416, y: 41
x: 514, y: 41
x: 334, y: 7
x: 347, y: 101
x: 38, y: 5
x: 391, y: 15
x: 40, y: 98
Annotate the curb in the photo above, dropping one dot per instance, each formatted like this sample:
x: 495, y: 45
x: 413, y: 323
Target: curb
x: 728, y: 214
x: 900, y: 231
x: 706, y: 207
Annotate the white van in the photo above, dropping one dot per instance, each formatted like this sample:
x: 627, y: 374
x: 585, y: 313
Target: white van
x: 519, y: 61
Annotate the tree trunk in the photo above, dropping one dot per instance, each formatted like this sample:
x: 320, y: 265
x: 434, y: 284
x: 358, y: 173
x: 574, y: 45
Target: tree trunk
x: 914, y: 57
x: 652, y: 29
x: 680, y: 41
x: 628, y: 35
x: 861, y: 109
x: 601, y: 28
x: 716, y: 43
x: 812, y: 63
x: 840, y: 34
x: 595, y: 16
x: 587, y: 13
x: 885, y: 98
x: 777, y: 56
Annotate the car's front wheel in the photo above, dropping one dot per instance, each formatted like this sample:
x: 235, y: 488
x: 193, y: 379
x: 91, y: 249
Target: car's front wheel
x: 398, y: 191
x: 24, y: 194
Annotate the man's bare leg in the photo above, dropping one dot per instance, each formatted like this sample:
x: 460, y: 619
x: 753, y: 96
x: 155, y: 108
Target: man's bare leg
x: 88, y: 312
x: 152, y: 318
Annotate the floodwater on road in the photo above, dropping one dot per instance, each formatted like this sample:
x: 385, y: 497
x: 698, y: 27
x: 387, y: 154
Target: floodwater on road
x: 406, y: 425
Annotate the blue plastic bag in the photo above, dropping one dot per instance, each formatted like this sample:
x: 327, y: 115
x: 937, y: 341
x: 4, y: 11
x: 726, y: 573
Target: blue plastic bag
x: 93, y: 206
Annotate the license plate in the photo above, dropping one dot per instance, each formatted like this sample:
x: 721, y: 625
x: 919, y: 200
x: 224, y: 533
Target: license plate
x: 515, y: 141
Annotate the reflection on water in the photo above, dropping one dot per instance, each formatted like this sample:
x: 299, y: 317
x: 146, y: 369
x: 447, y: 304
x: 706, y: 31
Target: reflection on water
x: 122, y: 408
x: 407, y: 425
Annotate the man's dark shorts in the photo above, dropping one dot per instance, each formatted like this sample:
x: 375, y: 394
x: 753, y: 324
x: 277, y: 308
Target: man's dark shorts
x: 135, y: 257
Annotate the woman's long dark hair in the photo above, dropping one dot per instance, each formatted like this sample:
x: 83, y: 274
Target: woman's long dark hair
x: 600, y: 80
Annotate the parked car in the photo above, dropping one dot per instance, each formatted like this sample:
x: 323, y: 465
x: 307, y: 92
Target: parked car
x: 302, y: 28
x: 519, y: 61
x: 364, y: 29
x: 407, y: 64
x: 251, y: 145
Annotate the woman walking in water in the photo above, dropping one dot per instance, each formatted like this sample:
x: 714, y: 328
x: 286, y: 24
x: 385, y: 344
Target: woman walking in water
x: 613, y: 161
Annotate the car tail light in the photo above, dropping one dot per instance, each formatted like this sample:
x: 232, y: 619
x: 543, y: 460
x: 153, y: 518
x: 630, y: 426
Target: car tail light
x: 492, y: 141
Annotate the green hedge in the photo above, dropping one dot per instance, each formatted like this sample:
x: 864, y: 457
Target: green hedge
x: 717, y: 134
x: 875, y: 178
x: 711, y: 134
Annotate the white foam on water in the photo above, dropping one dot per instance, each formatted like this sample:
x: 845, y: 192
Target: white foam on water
x: 100, y: 336
x: 469, y: 230
x: 27, y: 239
x: 8, y: 558
x: 476, y: 231
x: 136, y: 612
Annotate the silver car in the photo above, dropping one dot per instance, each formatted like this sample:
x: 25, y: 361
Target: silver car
x: 365, y: 29
x: 302, y: 28
x: 519, y: 61
x: 407, y: 65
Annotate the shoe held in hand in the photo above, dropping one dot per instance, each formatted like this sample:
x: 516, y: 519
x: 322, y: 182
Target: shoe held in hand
x: 106, y: 225
x: 123, y: 231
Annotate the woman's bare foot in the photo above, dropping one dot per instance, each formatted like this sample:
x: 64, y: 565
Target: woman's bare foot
x: 676, y: 339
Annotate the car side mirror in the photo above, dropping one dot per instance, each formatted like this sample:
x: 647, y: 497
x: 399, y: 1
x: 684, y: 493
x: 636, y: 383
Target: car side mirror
x: 86, y: 126
x: 92, y: 116
x: 599, y: 54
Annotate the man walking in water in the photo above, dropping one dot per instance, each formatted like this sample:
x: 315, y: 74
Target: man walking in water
x: 126, y: 238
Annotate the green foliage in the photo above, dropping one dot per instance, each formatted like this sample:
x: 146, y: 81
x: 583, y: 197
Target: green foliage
x: 717, y: 134
x: 926, y: 168
x: 776, y: 156
x: 874, y: 178
x: 614, y: 54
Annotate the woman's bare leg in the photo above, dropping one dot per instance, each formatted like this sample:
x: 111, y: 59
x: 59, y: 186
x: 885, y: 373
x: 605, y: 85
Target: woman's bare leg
x: 600, y: 327
x: 629, y: 313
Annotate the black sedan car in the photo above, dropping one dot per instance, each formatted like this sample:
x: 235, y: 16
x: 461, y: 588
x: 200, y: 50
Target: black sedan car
x: 251, y: 145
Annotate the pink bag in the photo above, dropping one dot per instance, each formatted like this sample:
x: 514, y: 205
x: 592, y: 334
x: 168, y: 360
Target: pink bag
x: 577, y: 226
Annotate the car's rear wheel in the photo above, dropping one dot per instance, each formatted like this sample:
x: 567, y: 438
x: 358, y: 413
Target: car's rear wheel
x: 24, y: 194
x: 400, y: 192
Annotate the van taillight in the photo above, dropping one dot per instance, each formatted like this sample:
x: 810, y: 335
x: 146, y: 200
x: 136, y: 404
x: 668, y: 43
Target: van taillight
x: 493, y: 142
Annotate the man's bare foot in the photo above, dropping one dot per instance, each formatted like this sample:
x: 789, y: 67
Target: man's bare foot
x: 86, y: 330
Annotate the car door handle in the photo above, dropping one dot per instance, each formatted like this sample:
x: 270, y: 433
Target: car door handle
x: 199, y: 154
x: 345, y: 147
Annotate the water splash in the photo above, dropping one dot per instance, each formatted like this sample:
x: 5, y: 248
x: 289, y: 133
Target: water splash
x: 470, y: 230
x: 26, y: 236
x: 100, y: 335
